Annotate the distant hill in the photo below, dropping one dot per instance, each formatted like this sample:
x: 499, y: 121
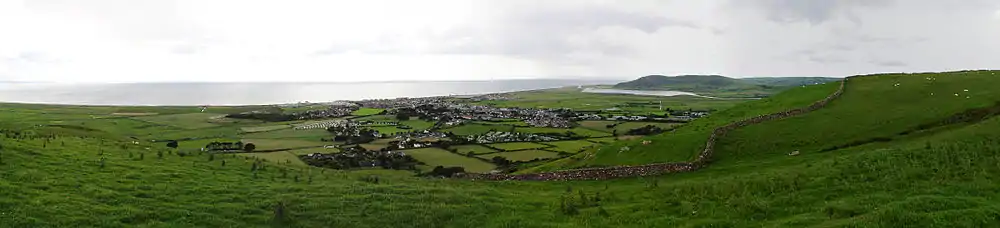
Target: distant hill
x: 720, y: 86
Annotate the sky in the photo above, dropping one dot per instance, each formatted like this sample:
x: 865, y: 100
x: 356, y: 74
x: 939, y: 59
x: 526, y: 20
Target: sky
x: 381, y: 40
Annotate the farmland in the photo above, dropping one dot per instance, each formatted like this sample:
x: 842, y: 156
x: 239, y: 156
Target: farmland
x: 475, y: 129
x: 367, y: 111
x: 896, y: 150
x: 517, y: 146
x: 438, y: 157
x: 186, y: 121
x: 474, y: 149
x: 522, y: 155
x: 570, y: 146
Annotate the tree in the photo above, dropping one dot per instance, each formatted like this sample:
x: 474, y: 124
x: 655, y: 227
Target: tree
x: 172, y: 144
x: 249, y: 147
x: 501, y: 161
x: 402, y: 116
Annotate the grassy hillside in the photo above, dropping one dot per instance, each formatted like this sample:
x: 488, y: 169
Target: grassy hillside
x: 942, y: 176
x: 872, y: 109
x: 720, y: 86
x: 686, y: 141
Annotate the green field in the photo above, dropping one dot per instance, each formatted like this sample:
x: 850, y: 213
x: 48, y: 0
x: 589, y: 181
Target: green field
x: 570, y: 146
x: 273, y: 144
x: 310, y: 134
x: 523, y: 155
x: 280, y: 157
x: 602, y: 140
x: 686, y: 141
x: 438, y: 157
x: 391, y: 130
x: 474, y: 149
x: 367, y: 111
x: 418, y: 124
x: 186, y: 121
x: 255, y: 129
x: 900, y: 157
x: 314, y: 150
x: 576, y: 100
x: 474, y: 129
x: 577, y: 130
x: 517, y: 146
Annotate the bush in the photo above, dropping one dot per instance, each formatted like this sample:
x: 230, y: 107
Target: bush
x: 249, y: 147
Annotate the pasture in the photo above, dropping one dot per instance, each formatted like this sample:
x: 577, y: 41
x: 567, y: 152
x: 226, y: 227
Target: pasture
x: 475, y: 129
x: 275, y: 144
x: 577, y: 131
x: 311, y: 134
x: 570, y: 146
x: 439, y: 157
x: 255, y: 129
x: 517, y: 146
x: 367, y: 111
x: 186, y: 121
x: 522, y: 155
x: 281, y: 157
x: 474, y: 149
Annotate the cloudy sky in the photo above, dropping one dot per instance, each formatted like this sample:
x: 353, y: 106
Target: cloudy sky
x: 375, y: 40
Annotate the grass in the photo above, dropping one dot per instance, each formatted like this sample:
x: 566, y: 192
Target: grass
x: 391, y: 130
x: 576, y: 100
x: 577, y: 130
x: 255, y: 129
x: 439, y: 157
x: 282, y: 157
x: 686, y: 141
x: 523, y: 155
x: 859, y: 118
x: 367, y: 111
x: 312, y: 134
x: 517, y: 146
x: 474, y: 149
x: 570, y: 146
x: 417, y: 124
x: 186, y: 121
x: 475, y: 129
x: 274, y: 144
x: 314, y: 150
x: 941, y: 177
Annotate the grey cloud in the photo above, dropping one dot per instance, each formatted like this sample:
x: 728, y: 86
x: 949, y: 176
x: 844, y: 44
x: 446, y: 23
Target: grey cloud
x: 812, y: 11
x: 31, y: 57
x: 551, y: 34
x: 890, y: 63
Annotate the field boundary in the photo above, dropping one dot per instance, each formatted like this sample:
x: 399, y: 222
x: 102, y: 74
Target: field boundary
x: 703, y: 159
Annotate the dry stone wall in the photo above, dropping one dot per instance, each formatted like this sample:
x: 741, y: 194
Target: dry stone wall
x: 703, y: 159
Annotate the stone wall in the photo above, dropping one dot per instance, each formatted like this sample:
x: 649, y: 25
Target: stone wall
x: 703, y: 159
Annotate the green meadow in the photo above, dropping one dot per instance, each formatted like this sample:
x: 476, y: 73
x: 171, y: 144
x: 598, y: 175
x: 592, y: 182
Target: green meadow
x: 896, y: 150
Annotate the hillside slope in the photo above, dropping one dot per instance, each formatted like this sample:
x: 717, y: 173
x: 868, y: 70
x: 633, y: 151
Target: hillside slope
x: 944, y: 175
x: 720, y: 86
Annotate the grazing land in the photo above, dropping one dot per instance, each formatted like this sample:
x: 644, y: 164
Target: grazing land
x: 517, y: 146
x: 275, y: 144
x: 186, y: 121
x: 280, y: 157
x: 522, y: 155
x: 473, y: 149
x: 314, y: 134
x: 264, y: 128
x: 570, y: 146
x: 367, y: 111
x: 439, y: 157
x: 475, y: 129
x: 895, y: 150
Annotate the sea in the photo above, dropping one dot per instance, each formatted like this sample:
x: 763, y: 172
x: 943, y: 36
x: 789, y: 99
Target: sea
x: 196, y: 94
